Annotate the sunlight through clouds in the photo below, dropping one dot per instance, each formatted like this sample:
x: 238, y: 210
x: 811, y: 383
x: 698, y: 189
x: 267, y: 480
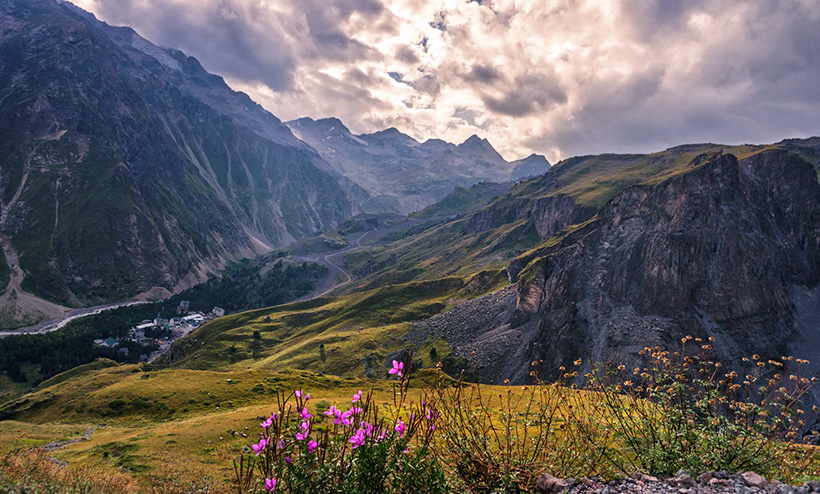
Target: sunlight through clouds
x: 556, y: 77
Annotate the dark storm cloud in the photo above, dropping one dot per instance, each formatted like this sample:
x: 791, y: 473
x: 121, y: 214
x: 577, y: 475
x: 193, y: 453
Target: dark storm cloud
x: 248, y: 40
x: 324, y: 20
x: 407, y: 55
x: 652, y: 18
x: 355, y: 75
x: 528, y: 94
x: 226, y: 37
x: 483, y: 73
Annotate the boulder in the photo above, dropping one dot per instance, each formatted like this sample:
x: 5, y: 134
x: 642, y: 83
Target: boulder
x: 548, y: 483
x: 753, y: 479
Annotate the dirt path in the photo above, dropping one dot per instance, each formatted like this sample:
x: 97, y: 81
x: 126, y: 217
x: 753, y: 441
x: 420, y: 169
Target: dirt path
x: 334, y: 260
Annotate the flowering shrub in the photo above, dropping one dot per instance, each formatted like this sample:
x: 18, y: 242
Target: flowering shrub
x: 683, y: 410
x: 355, y: 448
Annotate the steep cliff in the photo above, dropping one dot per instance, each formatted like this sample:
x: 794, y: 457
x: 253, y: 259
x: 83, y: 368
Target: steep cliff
x: 718, y: 251
x: 726, y: 248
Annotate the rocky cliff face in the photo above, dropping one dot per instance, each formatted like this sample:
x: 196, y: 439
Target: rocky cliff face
x: 715, y: 252
x: 729, y: 249
x: 549, y: 214
x: 404, y: 175
x: 125, y: 166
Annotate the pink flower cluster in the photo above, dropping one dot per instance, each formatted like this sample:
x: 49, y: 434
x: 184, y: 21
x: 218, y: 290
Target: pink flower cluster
x: 269, y: 422
x: 362, y: 433
x: 343, y: 418
x: 353, y: 418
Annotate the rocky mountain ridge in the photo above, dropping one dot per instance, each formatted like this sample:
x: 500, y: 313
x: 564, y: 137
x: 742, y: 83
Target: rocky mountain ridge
x: 404, y: 175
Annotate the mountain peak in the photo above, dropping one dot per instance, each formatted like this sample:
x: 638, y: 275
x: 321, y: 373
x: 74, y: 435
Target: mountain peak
x: 329, y: 126
x: 474, y: 141
x: 390, y: 133
x: 531, y: 166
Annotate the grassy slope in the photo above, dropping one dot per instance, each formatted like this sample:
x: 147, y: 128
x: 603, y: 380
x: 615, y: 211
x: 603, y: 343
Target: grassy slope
x: 594, y: 180
x: 464, y: 199
x: 443, y: 250
x: 360, y: 332
x: 170, y: 418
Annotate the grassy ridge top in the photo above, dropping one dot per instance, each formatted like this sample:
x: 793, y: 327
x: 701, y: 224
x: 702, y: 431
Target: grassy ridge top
x: 594, y: 180
x: 464, y: 199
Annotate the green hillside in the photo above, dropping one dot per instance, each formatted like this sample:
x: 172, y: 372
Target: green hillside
x: 464, y: 199
x: 354, y: 335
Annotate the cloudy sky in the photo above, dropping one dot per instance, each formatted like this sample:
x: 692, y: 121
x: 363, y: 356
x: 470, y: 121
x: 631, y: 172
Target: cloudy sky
x: 557, y: 77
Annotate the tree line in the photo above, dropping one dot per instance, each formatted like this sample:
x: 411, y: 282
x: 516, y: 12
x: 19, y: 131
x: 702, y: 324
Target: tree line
x: 245, y: 285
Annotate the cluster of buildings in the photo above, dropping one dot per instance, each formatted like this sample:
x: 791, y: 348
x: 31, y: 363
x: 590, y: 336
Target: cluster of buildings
x: 162, y: 332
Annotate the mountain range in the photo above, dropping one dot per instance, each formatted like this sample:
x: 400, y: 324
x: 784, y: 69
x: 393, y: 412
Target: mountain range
x: 127, y: 169
x: 403, y: 175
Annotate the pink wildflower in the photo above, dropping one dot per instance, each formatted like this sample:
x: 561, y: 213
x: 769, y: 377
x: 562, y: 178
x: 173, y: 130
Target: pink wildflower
x: 287, y: 460
x: 355, y: 410
x: 268, y: 422
x: 305, y: 426
x: 281, y: 444
x: 357, y: 439
x: 303, y: 412
x: 258, y: 448
x: 400, y: 428
x: 298, y: 393
x: 397, y: 368
x: 270, y: 485
x: 357, y: 396
x: 345, y: 417
x: 312, y: 445
x: 340, y: 418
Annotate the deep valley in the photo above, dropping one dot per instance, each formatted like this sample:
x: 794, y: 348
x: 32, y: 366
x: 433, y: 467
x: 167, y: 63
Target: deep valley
x: 175, y: 261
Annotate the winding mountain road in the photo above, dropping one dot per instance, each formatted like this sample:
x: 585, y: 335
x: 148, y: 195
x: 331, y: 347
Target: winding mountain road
x: 333, y: 260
